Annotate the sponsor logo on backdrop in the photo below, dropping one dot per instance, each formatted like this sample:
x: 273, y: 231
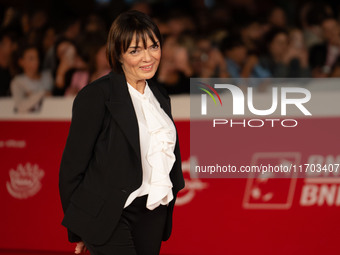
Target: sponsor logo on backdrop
x: 25, y: 181
x: 264, y: 192
x: 11, y: 143
x: 269, y: 193
x: 322, y: 191
x: 192, y: 186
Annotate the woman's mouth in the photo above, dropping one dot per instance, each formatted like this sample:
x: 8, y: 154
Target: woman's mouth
x: 146, y: 68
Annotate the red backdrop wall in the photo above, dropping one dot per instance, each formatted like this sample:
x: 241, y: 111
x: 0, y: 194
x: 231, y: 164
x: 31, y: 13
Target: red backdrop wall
x: 212, y: 216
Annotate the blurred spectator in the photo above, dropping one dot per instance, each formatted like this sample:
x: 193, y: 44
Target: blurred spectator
x: 38, y: 19
x: 30, y: 86
x: 15, y: 21
x: 317, y: 61
x: 311, y: 16
x: 194, y: 35
x: 285, y: 58
x: 8, y: 44
x: 277, y: 17
x: 9, y: 17
x: 67, y: 59
x: 175, y: 68
x: 48, y: 38
x: 94, y: 24
x: 69, y: 29
x: 207, y: 60
x: 99, y: 65
x: 179, y: 23
x: 36, y: 26
x: 238, y: 63
x: 335, y: 73
x: 331, y: 33
x: 142, y: 7
x: 94, y: 53
x: 252, y: 32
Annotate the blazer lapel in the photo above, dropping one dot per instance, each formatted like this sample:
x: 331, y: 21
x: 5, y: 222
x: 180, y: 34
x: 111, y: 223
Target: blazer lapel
x: 122, y: 110
x: 160, y: 97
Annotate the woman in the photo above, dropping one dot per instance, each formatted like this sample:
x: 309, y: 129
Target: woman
x: 121, y: 168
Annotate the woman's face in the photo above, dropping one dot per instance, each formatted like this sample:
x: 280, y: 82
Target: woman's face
x: 139, y: 63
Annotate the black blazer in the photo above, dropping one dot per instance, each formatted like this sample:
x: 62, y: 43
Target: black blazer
x: 101, y: 163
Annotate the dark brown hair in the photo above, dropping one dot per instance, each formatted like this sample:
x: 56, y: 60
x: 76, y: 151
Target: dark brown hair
x: 122, y: 31
x: 19, y: 54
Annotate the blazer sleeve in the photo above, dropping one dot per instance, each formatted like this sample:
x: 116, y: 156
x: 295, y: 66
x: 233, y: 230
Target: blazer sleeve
x: 87, y: 116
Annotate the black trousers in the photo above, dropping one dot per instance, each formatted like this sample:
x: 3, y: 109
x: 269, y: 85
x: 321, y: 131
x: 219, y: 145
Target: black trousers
x: 138, y: 232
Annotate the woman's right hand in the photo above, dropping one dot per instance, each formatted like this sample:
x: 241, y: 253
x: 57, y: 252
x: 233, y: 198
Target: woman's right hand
x: 80, y: 248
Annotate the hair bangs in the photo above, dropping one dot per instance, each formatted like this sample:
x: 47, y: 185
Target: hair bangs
x: 141, y: 35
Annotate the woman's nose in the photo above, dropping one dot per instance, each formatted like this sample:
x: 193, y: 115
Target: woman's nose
x: 147, y: 55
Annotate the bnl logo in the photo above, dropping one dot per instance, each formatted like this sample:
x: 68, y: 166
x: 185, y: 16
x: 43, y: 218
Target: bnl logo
x: 239, y: 99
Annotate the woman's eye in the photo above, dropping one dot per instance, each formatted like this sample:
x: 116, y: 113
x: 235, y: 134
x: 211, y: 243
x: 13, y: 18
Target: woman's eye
x: 155, y: 46
x: 133, y: 52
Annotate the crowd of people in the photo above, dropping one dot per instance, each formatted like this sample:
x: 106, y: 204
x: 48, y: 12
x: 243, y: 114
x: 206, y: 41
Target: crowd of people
x: 40, y: 57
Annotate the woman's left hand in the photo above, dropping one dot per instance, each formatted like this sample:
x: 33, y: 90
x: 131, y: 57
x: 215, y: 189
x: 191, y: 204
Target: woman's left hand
x: 80, y: 248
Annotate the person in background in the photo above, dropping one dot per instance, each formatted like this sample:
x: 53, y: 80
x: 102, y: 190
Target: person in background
x: 175, y: 69
x: 331, y: 34
x: 16, y: 21
x: 335, y: 73
x: 94, y: 24
x: 297, y: 53
x: 240, y: 64
x: 323, y: 56
x: 48, y: 38
x: 94, y: 49
x: 311, y: 16
x: 235, y: 53
x: 285, y: 58
x: 317, y: 61
x: 207, y: 60
x: 68, y: 28
x: 251, y: 32
x: 98, y: 66
x: 179, y: 22
x: 8, y: 44
x: 35, y: 25
x: 277, y: 17
x: 67, y: 61
x: 238, y: 61
x: 30, y: 86
x: 38, y: 19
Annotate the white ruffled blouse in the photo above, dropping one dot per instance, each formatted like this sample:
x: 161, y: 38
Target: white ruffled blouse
x: 157, y: 136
